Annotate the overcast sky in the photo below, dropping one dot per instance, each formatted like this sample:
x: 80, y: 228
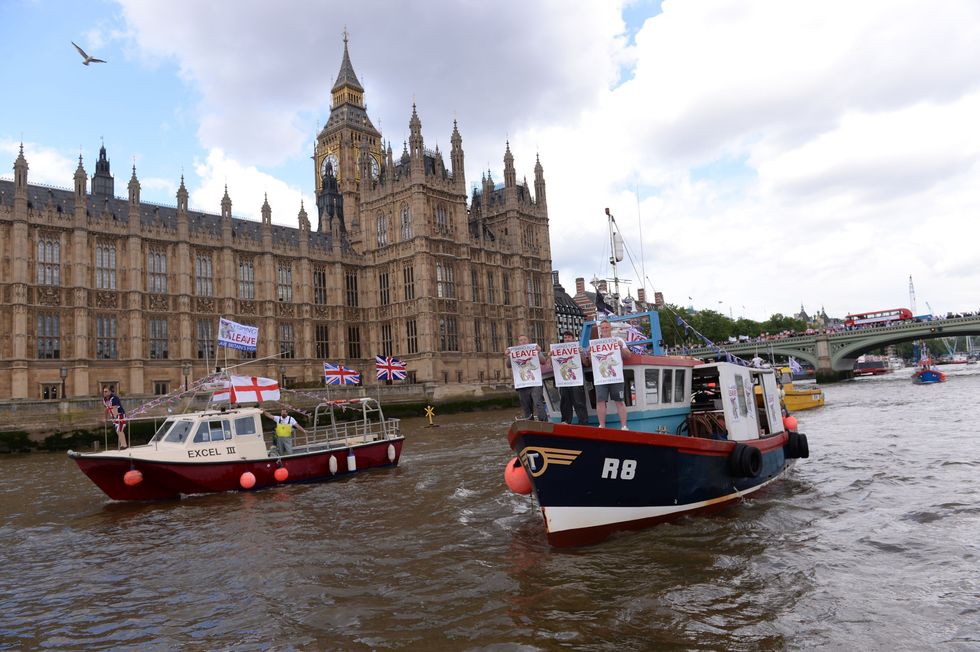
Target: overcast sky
x: 758, y: 154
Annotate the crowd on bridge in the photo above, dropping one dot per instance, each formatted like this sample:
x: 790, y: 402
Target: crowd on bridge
x: 833, y: 329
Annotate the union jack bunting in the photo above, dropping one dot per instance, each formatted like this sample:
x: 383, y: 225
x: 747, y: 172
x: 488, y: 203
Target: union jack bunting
x: 389, y: 368
x: 340, y: 375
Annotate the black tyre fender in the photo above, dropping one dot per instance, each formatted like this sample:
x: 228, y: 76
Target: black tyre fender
x: 802, y: 445
x: 796, y: 445
x: 745, y: 461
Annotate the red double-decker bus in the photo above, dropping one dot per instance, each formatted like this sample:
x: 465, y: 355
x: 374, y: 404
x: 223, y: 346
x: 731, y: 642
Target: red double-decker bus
x: 877, y: 317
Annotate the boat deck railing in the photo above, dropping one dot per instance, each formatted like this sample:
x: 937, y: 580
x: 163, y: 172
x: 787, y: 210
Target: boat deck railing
x: 345, y: 434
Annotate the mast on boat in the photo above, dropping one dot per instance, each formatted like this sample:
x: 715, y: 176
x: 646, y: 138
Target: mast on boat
x: 615, y: 253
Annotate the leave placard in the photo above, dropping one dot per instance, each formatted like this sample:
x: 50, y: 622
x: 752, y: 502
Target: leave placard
x: 607, y: 361
x: 525, y: 365
x: 566, y: 360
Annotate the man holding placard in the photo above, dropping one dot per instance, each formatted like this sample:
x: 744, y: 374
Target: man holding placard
x: 525, y: 362
x: 606, y: 354
x: 566, y: 360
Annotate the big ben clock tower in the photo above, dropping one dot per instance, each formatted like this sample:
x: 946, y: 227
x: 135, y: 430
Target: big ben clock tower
x: 338, y: 144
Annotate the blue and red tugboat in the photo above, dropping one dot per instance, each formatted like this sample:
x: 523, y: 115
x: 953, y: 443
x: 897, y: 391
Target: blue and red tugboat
x: 697, y: 440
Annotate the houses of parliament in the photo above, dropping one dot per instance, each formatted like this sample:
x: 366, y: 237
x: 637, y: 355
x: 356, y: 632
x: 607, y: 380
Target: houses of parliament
x: 397, y: 260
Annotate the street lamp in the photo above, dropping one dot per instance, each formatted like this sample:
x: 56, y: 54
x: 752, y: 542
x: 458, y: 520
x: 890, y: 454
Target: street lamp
x: 282, y: 376
x: 187, y: 372
x: 63, y: 372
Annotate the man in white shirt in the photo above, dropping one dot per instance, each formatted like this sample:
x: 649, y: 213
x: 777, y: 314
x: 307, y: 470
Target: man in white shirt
x: 612, y: 392
x: 284, y: 431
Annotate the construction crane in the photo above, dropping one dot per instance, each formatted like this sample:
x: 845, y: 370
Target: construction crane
x: 912, y: 296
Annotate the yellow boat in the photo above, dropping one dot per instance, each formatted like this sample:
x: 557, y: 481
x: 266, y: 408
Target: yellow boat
x: 795, y: 398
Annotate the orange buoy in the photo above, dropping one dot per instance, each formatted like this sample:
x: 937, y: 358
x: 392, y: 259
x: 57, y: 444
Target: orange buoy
x: 132, y: 478
x: 247, y: 480
x: 281, y: 474
x: 516, y: 477
x: 790, y: 423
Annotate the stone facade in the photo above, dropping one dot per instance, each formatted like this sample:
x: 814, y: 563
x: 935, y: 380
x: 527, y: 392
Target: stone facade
x: 120, y: 292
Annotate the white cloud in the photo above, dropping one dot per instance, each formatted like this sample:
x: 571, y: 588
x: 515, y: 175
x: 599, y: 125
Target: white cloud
x: 248, y: 188
x: 45, y: 165
x: 839, y: 136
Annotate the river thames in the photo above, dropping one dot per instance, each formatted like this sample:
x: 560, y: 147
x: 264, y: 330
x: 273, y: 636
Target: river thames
x: 873, y: 543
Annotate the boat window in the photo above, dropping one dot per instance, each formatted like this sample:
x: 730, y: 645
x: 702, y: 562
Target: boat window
x: 667, y: 387
x: 178, y: 434
x: 629, y: 387
x: 245, y: 426
x: 652, y: 383
x: 679, y: 386
x: 740, y: 386
x: 162, y: 430
x: 203, y: 433
x: 212, y: 431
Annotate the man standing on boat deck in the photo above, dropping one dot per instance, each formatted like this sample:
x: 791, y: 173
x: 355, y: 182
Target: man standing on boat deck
x: 612, y: 391
x: 284, y: 431
x: 114, y: 410
x: 572, y: 399
x: 531, y: 398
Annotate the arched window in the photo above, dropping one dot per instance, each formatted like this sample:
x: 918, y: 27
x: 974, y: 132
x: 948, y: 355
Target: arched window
x: 48, y: 262
x: 406, y: 223
x: 442, y: 218
x: 105, y: 266
x: 382, y: 230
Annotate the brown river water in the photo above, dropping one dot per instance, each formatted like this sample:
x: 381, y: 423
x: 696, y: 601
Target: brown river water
x: 873, y: 543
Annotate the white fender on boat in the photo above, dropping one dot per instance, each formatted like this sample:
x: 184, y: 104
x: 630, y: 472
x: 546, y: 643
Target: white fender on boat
x: 351, y: 461
x: 391, y: 452
x: 333, y: 465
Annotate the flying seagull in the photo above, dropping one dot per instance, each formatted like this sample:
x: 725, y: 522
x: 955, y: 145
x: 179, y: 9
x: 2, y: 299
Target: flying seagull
x: 87, y: 59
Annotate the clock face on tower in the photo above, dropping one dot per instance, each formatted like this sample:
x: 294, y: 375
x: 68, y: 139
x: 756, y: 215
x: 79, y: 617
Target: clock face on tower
x: 375, y: 168
x: 331, y: 161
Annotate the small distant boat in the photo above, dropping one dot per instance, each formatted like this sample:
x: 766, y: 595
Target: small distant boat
x: 927, y: 374
x: 956, y: 358
x: 871, y: 365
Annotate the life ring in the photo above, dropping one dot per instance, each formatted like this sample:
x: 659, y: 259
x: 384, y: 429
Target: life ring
x: 745, y: 461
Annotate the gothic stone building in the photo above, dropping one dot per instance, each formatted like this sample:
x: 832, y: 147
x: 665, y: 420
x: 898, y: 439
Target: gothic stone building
x: 113, y: 291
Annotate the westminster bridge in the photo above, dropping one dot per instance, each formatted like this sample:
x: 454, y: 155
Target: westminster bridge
x: 835, y: 352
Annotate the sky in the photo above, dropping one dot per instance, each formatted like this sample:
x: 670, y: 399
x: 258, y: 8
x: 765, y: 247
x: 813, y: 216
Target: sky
x: 757, y: 155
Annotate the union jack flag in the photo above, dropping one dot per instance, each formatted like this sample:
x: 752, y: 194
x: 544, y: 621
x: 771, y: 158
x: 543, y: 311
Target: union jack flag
x: 389, y: 368
x: 340, y: 375
x: 633, y: 334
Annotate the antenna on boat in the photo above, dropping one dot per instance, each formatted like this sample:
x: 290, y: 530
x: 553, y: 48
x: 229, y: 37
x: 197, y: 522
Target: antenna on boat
x: 639, y: 222
x: 615, y: 252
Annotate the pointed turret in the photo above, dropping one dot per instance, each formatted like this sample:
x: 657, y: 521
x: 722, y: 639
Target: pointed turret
x: 303, y: 218
x: 226, y: 205
x: 20, y: 171
x: 133, y: 215
x: 183, y: 220
x: 346, y: 77
x: 510, y: 174
x: 415, y: 137
x: 266, y: 211
x: 540, y: 197
x: 81, y: 182
x: 456, y: 158
x: 134, y: 191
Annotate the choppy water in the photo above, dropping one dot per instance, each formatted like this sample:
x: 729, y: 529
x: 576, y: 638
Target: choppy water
x: 872, y: 543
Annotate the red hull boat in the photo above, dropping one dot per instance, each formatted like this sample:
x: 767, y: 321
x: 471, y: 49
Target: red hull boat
x: 225, y: 450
